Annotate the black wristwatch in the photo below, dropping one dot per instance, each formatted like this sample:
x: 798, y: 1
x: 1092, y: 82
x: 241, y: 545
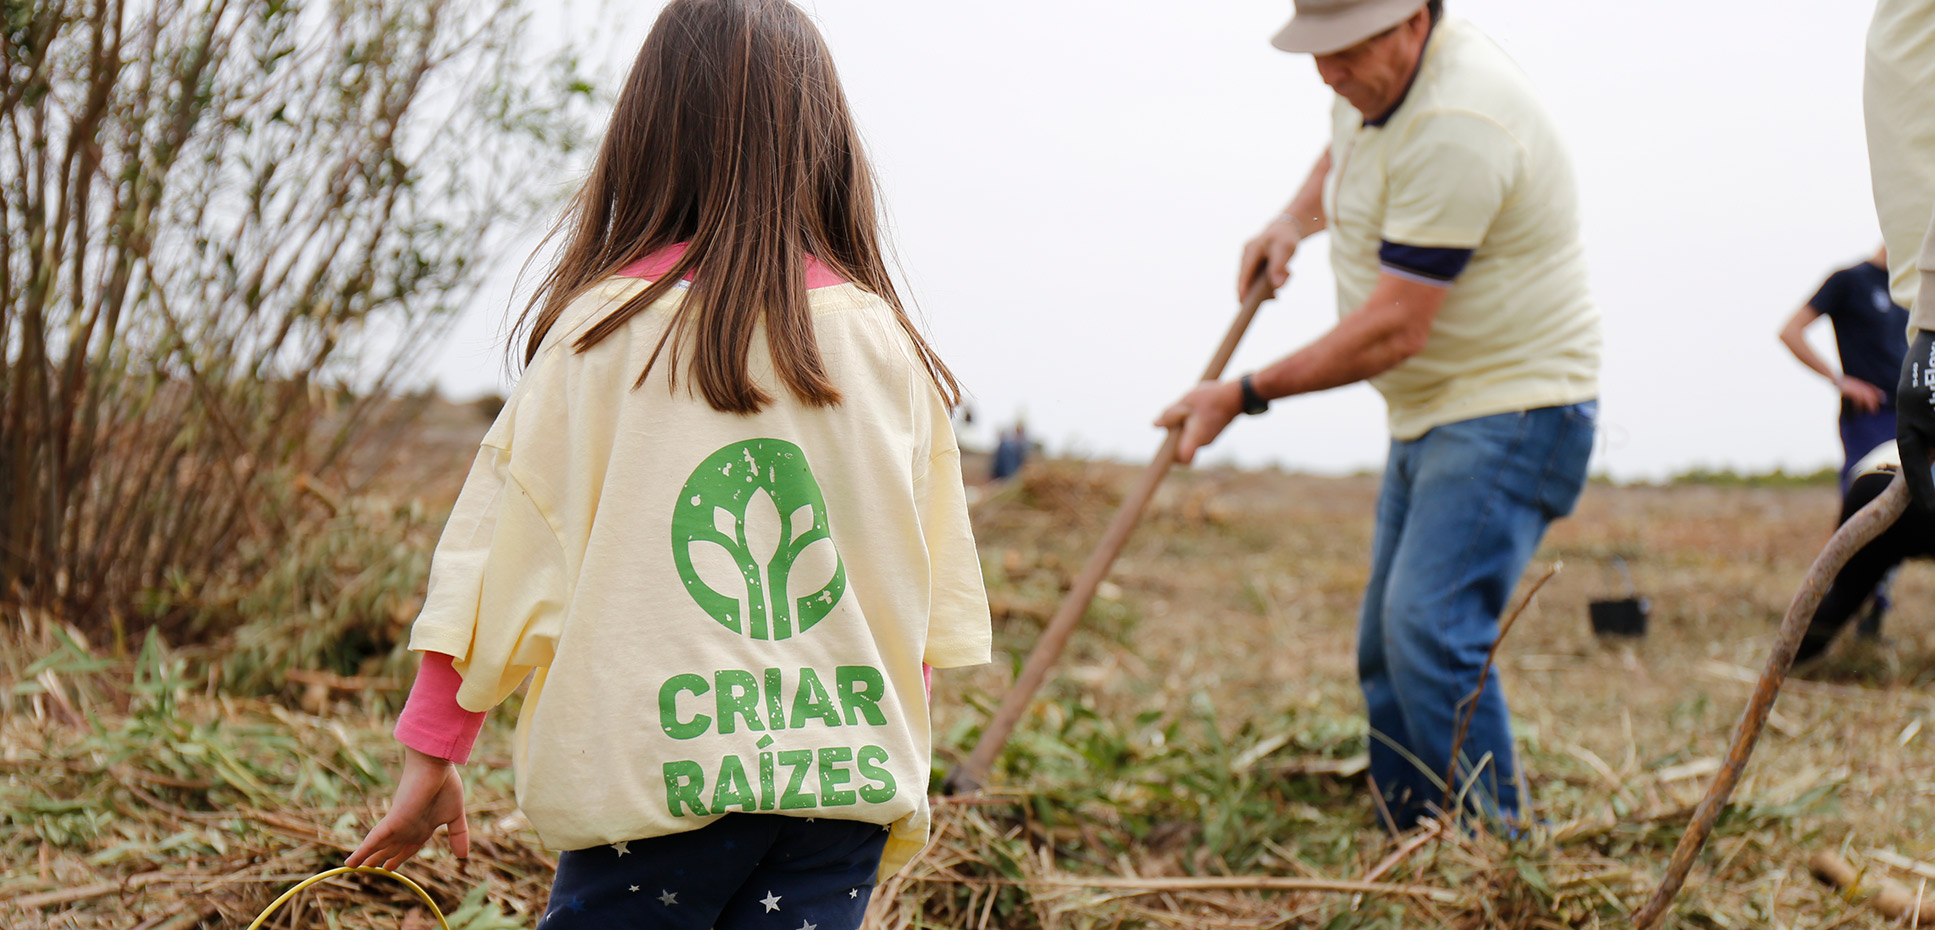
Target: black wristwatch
x: 1253, y: 403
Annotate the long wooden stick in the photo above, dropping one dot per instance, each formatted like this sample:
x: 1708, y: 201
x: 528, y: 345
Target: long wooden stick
x: 1158, y: 885
x: 969, y: 775
x: 1874, y: 519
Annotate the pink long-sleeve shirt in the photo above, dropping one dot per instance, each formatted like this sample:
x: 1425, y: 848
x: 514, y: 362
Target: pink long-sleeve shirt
x: 432, y: 723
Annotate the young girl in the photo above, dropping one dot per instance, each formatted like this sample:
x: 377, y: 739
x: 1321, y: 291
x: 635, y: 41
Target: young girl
x: 719, y: 525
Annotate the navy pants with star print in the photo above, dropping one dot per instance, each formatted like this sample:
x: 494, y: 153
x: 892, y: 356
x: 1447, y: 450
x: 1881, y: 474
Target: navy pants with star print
x: 740, y: 872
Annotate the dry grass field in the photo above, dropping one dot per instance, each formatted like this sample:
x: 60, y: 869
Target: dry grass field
x: 1196, y: 746
x: 1233, y: 620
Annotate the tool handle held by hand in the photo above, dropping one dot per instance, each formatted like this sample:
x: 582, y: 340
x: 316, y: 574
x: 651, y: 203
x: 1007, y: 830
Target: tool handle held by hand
x: 969, y: 776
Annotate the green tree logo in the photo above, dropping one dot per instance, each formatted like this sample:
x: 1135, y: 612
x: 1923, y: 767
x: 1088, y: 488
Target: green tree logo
x: 750, y: 528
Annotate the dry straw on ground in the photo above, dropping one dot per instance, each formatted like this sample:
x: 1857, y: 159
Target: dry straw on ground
x: 1193, y: 765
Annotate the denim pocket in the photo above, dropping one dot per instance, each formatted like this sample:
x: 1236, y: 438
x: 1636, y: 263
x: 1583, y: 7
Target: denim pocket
x: 1565, y: 468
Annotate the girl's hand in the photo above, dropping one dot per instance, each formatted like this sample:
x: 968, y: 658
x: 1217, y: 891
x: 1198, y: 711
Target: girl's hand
x: 429, y: 795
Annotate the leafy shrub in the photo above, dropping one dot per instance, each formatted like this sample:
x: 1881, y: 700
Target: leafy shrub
x: 338, y: 599
x: 229, y: 231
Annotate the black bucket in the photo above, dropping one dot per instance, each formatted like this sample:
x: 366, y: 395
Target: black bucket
x: 1625, y: 616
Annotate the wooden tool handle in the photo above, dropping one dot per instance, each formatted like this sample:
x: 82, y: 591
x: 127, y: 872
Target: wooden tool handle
x: 1860, y: 530
x: 969, y: 775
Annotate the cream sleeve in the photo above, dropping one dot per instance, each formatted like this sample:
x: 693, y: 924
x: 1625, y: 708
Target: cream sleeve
x: 1900, y: 116
x: 959, y: 630
x: 1921, y: 313
x: 1449, y: 180
x: 498, y: 585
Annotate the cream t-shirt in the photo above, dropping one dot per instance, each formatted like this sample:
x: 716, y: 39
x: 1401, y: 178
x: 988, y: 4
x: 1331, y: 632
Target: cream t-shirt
x: 1899, y: 98
x: 716, y: 612
x: 1469, y: 160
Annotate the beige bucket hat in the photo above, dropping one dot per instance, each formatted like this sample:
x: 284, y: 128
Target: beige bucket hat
x: 1321, y: 27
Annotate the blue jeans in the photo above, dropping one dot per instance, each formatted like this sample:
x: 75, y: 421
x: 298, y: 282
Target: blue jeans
x: 1461, y: 511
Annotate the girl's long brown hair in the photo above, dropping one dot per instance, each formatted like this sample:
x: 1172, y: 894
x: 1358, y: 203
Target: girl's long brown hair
x: 732, y: 134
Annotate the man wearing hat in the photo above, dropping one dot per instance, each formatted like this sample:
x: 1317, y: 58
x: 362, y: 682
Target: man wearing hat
x: 1462, y: 290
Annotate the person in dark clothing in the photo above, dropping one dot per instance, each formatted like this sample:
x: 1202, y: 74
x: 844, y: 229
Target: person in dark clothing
x: 1870, y: 335
x: 1010, y: 454
x: 1912, y: 537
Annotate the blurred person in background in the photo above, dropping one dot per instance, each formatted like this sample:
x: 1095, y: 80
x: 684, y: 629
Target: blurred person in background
x: 1870, y: 336
x: 1010, y: 453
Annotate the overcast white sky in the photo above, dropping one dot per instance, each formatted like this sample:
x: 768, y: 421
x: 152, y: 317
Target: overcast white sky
x: 1070, y: 181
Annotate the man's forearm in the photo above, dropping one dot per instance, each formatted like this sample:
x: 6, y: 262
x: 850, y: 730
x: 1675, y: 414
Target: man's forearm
x: 1807, y: 356
x: 1921, y: 307
x: 1922, y: 314
x: 1793, y: 335
x: 1308, y: 206
x: 1392, y: 326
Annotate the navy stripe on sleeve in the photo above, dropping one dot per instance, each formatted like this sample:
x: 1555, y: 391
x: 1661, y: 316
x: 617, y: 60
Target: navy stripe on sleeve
x: 1421, y: 263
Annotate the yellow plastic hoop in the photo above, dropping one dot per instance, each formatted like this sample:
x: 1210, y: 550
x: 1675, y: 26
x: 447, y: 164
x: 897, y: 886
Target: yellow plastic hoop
x: 275, y: 905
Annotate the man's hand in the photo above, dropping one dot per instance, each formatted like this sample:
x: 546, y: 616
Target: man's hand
x: 1203, y: 414
x: 1915, y: 418
x: 1269, y: 253
x: 1864, y: 396
x: 429, y: 795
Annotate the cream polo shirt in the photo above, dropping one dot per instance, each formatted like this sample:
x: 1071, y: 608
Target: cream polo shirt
x: 1899, y: 97
x: 716, y: 612
x: 1469, y: 160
